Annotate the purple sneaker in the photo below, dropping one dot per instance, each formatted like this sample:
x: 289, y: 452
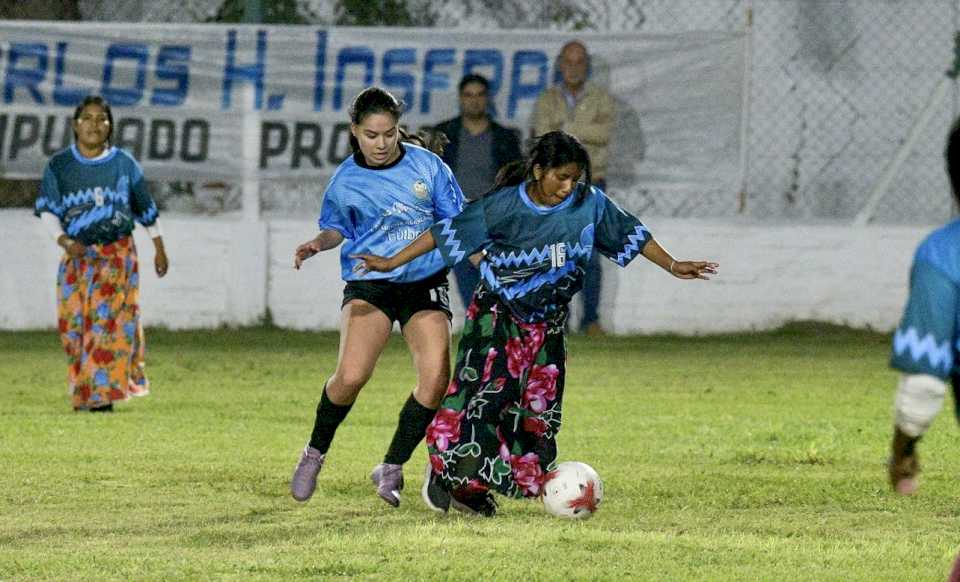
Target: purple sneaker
x: 389, y: 481
x: 304, y: 480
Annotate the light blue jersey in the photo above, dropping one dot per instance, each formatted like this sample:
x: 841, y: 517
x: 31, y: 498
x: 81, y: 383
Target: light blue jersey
x: 535, y: 257
x: 97, y: 201
x: 380, y: 210
x: 926, y: 342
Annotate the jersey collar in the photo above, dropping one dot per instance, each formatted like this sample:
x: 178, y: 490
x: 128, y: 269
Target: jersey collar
x: 544, y: 209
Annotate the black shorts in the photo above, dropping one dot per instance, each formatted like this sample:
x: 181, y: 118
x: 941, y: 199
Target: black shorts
x: 399, y: 301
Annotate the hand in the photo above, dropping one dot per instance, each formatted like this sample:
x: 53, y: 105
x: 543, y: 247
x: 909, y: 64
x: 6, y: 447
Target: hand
x: 693, y: 269
x: 370, y: 263
x: 160, y: 262
x: 305, y: 251
x: 74, y: 248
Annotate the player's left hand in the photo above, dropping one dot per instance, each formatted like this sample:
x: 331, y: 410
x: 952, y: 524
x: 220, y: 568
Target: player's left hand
x: 368, y: 263
x: 694, y: 269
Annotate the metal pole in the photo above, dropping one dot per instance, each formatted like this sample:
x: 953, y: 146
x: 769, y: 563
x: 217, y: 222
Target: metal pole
x: 745, y: 109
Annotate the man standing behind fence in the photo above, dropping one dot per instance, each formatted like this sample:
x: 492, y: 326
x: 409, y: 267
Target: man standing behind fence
x: 585, y: 110
x: 478, y: 148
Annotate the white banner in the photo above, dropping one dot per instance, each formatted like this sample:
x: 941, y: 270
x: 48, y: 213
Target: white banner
x: 182, y: 95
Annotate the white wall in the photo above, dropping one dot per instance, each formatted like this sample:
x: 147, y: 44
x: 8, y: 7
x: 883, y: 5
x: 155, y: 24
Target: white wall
x: 226, y: 272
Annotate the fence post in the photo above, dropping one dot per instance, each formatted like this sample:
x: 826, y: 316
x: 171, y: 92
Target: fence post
x: 745, y: 108
x: 251, y: 156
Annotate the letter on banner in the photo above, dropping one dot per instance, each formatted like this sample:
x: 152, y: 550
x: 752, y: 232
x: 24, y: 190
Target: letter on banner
x: 62, y: 95
x: 403, y: 80
x: 474, y: 59
x: 518, y: 88
x: 173, y: 64
x: 434, y: 79
x: 125, y: 95
x: 319, y: 73
x: 352, y: 54
x: 253, y: 73
x: 29, y: 79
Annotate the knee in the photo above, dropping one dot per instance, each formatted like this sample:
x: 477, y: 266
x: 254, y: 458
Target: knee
x: 348, y: 381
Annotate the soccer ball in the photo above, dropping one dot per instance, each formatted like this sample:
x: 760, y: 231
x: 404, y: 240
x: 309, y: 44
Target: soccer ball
x: 572, y: 491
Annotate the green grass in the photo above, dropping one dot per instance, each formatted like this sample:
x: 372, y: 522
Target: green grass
x: 739, y: 457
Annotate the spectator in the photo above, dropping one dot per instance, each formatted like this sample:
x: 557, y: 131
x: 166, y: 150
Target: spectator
x: 478, y: 148
x: 586, y: 111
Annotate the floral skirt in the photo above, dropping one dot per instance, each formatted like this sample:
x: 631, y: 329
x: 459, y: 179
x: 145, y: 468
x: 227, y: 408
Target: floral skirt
x: 99, y: 320
x: 496, y: 428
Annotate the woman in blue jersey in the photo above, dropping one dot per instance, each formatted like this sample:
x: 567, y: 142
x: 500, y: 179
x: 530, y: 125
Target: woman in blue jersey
x: 377, y: 201
x: 91, y: 195
x: 497, y: 425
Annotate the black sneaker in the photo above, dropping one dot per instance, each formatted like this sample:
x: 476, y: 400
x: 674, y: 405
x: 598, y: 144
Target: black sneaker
x: 434, y: 496
x: 477, y: 505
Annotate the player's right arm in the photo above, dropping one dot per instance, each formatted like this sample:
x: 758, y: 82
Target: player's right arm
x: 326, y: 239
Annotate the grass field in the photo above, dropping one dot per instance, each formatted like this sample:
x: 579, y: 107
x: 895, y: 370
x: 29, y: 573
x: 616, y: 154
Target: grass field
x: 743, y: 457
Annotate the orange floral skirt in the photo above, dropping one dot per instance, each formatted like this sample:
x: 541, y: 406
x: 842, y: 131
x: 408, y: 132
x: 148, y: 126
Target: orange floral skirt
x: 98, y: 314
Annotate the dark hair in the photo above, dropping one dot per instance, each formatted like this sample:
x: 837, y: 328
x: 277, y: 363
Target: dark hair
x: 415, y: 139
x: 433, y: 139
x: 473, y: 78
x: 94, y: 100
x: 952, y: 156
x: 550, y: 150
x: 370, y: 101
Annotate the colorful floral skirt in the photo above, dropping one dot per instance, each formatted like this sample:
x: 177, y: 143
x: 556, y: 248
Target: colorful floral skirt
x: 496, y: 428
x: 99, y: 319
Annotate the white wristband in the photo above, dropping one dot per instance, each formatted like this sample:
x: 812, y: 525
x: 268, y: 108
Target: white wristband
x: 154, y: 230
x: 672, y: 263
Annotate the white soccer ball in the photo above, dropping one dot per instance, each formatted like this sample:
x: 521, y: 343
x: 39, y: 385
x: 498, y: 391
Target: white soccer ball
x: 572, y: 491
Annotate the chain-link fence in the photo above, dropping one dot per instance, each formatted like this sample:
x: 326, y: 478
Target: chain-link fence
x: 835, y: 88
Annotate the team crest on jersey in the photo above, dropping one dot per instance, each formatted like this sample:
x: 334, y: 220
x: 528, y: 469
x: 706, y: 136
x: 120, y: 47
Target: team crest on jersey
x: 420, y: 189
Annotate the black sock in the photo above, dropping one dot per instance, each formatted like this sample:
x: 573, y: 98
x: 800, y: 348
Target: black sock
x: 414, y: 419
x: 107, y: 408
x: 329, y: 417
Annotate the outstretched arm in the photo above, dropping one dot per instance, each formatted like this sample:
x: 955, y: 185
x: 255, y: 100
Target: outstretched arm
x: 326, y: 239
x: 657, y: 255
x: 421, y: 245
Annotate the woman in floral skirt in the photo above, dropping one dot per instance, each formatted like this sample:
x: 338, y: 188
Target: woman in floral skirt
x: 91, y: 195
x: 497, y: 426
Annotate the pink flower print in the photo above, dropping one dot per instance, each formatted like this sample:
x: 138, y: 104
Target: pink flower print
x: 527, y: 473
x: 472, y: 310
x: 436, y: 463
x: 444, y: 429
x: 536, y: 334
x: 488, y: 365
x: 541, y: 387
x: 518, y: 358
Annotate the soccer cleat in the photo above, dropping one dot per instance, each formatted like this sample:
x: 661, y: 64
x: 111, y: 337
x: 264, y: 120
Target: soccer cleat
x: 477, y: 505
x: 434, y: 496
x: 389, y: 481
x: 904, y: 466
x: 304, y: 480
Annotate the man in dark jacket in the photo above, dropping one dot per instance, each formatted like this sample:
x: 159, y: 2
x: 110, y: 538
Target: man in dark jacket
x: 478, y: 148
